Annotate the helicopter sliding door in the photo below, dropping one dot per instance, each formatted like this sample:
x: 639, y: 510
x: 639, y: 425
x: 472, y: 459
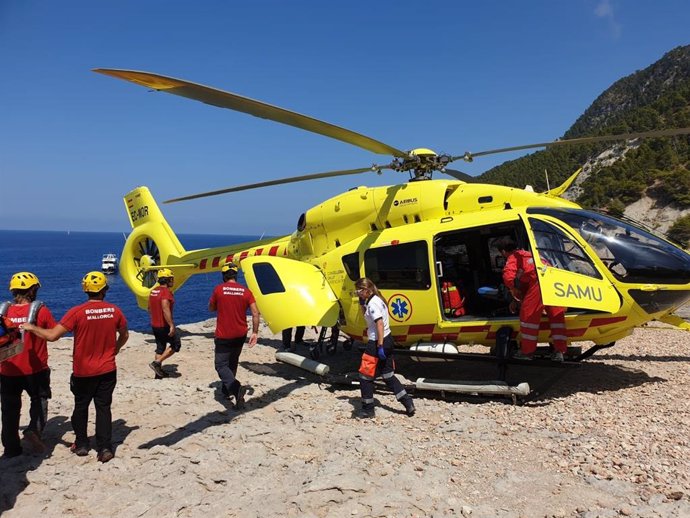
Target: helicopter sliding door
x: 290, y: 293
x: 567, y: 275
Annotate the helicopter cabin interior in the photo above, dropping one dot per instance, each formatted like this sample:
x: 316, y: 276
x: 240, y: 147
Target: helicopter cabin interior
x: 467, y: 265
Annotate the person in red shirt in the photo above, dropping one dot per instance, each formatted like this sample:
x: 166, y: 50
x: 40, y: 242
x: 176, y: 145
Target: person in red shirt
x: 27, y: 370
x: 520, y: 277
x: 231, y: 300
x: 100, y: 331
x: 161, y: 302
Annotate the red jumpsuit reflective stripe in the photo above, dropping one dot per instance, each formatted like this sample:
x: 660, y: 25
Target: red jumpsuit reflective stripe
x: 520, y: 266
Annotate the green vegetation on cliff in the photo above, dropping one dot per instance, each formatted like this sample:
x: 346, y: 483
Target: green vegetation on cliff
x: 655, y: 98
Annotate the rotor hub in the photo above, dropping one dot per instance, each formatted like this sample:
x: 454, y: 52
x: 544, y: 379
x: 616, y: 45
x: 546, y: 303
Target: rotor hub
x: 421, y: 163
x: 146, y: 260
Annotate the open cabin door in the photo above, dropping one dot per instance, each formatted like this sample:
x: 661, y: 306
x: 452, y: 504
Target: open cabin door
x: 290, y: 293
x: 567, y: 275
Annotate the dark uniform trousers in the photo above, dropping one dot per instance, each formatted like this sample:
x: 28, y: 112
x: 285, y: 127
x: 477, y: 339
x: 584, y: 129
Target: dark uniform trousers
x: 226, y: 359
x: 37, y: 386
x: 99, y: 389
x: 385, y: 369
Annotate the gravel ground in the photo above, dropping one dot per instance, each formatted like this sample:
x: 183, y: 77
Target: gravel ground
x: 608, y: 437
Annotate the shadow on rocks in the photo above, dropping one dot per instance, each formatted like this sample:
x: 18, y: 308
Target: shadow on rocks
x: 13, y: 479
x: 221, y: 417
x: 171, y: 370
x: 121, y: 431
x: 642, y: 358
x: 547, y: 382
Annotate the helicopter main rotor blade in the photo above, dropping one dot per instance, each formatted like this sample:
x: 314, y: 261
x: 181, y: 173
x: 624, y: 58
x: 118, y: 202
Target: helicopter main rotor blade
x: 260, y: 109
x: 280, y: 181
x: 604, y: 138
x: 459, y: 175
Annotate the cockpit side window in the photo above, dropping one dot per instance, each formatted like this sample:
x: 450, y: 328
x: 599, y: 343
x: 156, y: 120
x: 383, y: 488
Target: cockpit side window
x: 632, y: 254
x: 559, y: 250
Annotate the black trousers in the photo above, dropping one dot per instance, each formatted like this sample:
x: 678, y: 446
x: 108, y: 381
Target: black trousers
x: 98, y: 389
x: 385, y: 369
x: 287, y: 336
x: 37, y: 386
x: 226, y: 359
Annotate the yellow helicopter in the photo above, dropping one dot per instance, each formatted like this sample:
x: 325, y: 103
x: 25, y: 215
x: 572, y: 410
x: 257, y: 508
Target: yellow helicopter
x: 429, y: 245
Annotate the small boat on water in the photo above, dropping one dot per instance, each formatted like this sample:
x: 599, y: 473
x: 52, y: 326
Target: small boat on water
x: 109, y: 263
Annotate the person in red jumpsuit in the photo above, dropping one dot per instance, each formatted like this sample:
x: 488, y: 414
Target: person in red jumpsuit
x: 27, y: 371
x: 520, y: 277
x: 100, y: 331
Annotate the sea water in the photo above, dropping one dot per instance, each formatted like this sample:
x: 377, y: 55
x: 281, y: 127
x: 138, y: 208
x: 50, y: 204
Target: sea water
x: 60, y: 260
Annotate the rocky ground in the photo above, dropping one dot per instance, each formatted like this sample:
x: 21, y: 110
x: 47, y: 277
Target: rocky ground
x: 608, y: 437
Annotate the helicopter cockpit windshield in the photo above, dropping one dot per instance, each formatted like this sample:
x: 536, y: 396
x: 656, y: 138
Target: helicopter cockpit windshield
x: 632, y: 255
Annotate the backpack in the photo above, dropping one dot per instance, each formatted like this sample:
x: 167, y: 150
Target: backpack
x: 453, y: 300
x: 11, y: 343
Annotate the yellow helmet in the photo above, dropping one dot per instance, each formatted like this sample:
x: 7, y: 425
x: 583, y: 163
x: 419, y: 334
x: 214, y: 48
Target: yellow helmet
x: 165, y: 273
x: 229, y: 266
x: 23, y: 281
x: 93, y: 282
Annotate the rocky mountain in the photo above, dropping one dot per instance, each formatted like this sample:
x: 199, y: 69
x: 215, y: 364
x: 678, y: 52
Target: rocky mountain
x: 646, y: 180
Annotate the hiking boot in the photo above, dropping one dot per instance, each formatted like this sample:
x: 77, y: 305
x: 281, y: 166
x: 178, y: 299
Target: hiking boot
x: 35, y: 441
x: 79, y: 451
x: 366, y: 412
x: 557, y: 356
x: 519, y: 355
x: 105, y: 456
x: 239, y: 400
x: 409, y: 406
x: 158, y: 369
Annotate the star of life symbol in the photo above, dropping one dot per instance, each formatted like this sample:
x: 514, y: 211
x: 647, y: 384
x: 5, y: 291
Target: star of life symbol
x: 400, y: 307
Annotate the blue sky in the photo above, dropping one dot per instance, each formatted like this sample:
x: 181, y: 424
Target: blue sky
x: 448, y: 75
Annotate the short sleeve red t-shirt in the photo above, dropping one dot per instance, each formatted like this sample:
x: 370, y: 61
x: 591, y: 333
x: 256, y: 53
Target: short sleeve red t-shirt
x: 232, y: 301
x: 94, y: 325
x: 34, y: 357
x: 156, y: 298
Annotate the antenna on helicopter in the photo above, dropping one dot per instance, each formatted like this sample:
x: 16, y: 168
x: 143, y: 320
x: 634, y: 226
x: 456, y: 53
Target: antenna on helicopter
x: 546, y: 174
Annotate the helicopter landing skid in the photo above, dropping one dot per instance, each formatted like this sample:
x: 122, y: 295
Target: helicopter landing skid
x: 315, y: 350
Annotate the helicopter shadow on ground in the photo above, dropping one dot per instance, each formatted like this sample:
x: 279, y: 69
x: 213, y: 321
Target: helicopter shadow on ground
x: 546, y: 382
x: 13, y: 479
x: 642, y: 358
x: 226, y: 416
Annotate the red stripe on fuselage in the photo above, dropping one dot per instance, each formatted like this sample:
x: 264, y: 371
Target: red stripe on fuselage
x: 421, y: 329
x: 606, y: 321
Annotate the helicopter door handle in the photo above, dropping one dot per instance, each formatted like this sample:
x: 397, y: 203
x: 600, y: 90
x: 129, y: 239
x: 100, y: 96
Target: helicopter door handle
x: 439, y: 269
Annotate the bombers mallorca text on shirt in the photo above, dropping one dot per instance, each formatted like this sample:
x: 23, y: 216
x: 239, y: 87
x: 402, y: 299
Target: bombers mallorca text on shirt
x: 94, y: 324
x: 232, y: 301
